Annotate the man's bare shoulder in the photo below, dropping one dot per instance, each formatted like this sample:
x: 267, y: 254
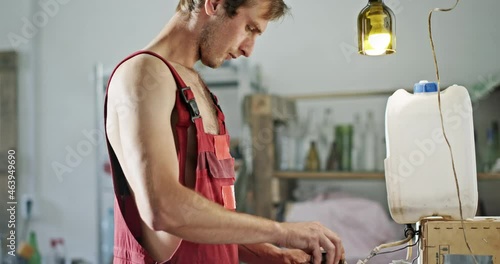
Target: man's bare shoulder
x: 142, y: 77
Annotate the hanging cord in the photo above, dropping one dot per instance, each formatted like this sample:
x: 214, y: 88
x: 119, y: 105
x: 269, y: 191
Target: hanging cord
x: 442, y: 123
x: 409, y: 252
x: 418, y: 251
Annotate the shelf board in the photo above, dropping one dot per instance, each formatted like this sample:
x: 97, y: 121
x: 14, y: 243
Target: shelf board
x: 349, y: 94
x: 346, y: 94
x: 488, y: 176
x: 328, y: 175
x: 343, y: 175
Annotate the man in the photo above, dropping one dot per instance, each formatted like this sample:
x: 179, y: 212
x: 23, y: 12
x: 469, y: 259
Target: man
x: 172, y: 171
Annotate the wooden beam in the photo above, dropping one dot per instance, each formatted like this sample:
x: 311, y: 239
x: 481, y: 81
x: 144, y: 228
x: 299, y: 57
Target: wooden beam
x: 8, y: 106
x: 263, y: 163
x: 8, y: 129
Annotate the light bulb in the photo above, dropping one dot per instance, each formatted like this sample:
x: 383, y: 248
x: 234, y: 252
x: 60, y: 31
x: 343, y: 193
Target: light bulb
x: 378, y: 37
x: 379, y: 40
x: 379, y: 43
x: 376, y: 29
x: 375, y: 52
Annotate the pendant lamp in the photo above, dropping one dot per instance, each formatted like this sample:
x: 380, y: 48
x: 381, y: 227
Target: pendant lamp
x: 376, y: 29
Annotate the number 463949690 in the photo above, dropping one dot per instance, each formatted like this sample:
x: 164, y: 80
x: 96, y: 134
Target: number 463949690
x: 11, y: 170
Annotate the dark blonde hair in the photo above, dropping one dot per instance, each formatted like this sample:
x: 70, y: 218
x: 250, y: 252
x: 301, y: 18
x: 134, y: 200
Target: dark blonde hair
x: 276, y: 10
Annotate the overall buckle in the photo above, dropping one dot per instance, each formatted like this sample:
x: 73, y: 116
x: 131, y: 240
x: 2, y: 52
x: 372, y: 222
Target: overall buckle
x: 192, y: 106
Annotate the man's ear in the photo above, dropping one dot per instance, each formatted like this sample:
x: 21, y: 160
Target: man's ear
x: 211, y: 6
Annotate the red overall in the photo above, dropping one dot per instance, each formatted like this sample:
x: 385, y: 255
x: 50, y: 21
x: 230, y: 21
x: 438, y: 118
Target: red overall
x: 214, y: 180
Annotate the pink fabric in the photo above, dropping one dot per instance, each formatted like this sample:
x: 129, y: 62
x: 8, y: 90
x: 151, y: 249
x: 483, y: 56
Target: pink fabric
x: 362, y: 224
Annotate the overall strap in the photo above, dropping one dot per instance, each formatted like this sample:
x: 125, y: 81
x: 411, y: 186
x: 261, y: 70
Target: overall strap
x: 184, y: 100
x: 220, y: 115
x: 181, y: 103
x: 183, y: 92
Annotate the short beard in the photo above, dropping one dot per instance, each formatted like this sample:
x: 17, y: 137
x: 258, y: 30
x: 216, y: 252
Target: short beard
x: 206, y: 43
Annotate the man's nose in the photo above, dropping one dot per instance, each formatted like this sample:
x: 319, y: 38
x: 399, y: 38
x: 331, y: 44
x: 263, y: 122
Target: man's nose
x: 247, y: 46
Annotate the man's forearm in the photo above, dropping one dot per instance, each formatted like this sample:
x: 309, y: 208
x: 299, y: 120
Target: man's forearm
x: 199, y: 220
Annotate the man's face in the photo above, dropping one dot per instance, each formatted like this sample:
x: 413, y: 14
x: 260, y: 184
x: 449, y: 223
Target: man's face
x: 225, y: 38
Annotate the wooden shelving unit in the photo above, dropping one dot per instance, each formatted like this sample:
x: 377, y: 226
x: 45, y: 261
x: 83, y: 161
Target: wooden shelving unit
x: 262, y: 112
x: 342, y: 175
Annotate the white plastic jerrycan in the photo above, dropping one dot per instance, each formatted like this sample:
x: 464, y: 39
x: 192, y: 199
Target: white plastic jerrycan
x: 418, y: 168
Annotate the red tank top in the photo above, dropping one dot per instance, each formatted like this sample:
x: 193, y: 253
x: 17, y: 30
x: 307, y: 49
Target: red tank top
x: 214, y: 180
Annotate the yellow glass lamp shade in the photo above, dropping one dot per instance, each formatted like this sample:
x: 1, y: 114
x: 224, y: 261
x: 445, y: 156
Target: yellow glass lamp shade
x: 376, y: 29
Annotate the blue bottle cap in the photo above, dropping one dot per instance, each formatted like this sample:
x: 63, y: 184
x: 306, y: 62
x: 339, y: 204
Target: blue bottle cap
x: 425, y: 87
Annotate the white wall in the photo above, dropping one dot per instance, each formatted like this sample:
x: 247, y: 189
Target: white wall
x: 304, y: 53
x: 301, y: 54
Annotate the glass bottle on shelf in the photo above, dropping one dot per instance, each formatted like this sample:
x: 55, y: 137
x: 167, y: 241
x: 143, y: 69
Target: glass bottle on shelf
x: 347, y: 147
x: 343, y: 138
x: 496, y: 146
x: 496, y: 140
x: 281, y: 145
x: 370, y: 143
x: 491, y: 150
x: 380, y: 147
x: 289, y: 147
x: 294, y: 141
x: 35, y: 258
x: 58, y: 252
x: 325, y: 136
x: 53, y: 252
x: 488, y: 154
x: 357, y: 144
x: 302, y: 135
x: 339, y: 139
x: 108, y: 239
x: 479, y: 155
x: 1, y: 248
x: 332, y: 162
x: 312, y: 162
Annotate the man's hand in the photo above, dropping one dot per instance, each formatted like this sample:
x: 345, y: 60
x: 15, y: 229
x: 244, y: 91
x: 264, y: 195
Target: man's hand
x: 265, y: 253
x: 312, y: 237
x: 294, y: 256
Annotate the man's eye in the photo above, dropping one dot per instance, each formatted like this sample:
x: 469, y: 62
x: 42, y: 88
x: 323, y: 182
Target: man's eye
x: 250, y: 28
